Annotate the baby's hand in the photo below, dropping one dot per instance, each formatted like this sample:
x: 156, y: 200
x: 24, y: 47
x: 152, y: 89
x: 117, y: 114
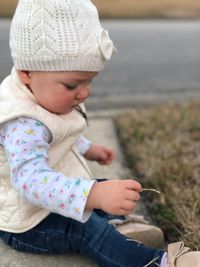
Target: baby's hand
x: 103, y: 155
x: 116, y: 197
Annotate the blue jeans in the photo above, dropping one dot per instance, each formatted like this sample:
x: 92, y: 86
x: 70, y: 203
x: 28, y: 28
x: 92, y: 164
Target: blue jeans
x: 96, y: 238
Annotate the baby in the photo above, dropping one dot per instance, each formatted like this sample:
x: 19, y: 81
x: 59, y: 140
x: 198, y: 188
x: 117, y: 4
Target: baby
x: 50, y: 202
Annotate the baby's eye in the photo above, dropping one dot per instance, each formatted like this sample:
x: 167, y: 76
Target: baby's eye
x: 70, y: 87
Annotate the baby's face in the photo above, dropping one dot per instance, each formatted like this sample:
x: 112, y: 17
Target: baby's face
x: 58, y: 92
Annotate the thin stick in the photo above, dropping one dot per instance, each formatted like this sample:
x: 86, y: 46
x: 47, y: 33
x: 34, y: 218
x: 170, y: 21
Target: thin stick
x: 151, y: 189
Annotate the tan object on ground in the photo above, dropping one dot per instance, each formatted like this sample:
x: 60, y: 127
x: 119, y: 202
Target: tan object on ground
x: 136, y: 228
x: 178, y: 256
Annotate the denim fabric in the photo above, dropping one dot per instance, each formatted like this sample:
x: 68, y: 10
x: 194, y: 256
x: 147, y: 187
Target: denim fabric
x: 96, y: 238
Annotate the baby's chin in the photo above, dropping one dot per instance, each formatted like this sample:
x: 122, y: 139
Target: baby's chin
x: 65, y: 112
x: 61, y: 112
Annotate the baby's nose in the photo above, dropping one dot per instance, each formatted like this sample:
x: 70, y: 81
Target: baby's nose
x: 83, y: 93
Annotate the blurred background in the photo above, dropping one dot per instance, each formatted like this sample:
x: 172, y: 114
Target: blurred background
x: 132, y: 8
x: 158, y: 51
x: 158, y: 61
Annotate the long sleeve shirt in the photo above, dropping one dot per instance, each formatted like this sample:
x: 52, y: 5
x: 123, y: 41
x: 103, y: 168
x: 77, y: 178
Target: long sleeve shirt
x: 26, y: 143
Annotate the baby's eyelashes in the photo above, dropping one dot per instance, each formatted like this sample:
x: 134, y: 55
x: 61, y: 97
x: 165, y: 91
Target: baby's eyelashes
x: 70, y: 87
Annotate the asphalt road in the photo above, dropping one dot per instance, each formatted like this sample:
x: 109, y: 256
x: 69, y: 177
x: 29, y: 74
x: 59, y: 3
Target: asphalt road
x: 154, y: 55
x: 155, y: 58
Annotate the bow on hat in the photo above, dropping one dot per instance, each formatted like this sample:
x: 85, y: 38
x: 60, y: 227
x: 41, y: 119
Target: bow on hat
x: 106, y: 45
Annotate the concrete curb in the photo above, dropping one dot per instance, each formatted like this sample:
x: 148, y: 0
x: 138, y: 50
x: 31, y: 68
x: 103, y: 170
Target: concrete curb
x: 104, y: 104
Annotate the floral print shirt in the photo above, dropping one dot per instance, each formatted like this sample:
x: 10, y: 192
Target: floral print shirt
x: 26, y: 143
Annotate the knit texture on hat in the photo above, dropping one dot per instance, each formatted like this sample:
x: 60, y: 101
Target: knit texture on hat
x: 58, y: 35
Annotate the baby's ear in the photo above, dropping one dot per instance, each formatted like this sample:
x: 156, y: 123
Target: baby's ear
x: 24, y: 76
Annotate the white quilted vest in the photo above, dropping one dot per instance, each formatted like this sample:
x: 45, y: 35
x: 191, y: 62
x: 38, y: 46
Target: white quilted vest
x: 16, y: 214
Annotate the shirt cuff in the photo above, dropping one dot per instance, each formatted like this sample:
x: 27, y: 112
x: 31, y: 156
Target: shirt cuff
x: 83, y: 145
x: 79, y: 212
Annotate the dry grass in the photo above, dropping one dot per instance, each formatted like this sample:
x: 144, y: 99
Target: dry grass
x: 131, y: 8
x: 162, y: 145
x: 148, y: 8
x: 7, y: 7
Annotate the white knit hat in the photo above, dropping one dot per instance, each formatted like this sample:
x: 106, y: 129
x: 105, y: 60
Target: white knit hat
x: 58, y: 35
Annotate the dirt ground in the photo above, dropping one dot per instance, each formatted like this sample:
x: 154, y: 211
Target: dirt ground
x: 162, y: 146
x: 132, y: 8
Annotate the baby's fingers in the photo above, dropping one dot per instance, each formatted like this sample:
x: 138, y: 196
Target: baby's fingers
x: 125, y: 212
x: 132, y: 195
x: 134, y: 185
x: 106, y: 159
x: 129, y: 205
